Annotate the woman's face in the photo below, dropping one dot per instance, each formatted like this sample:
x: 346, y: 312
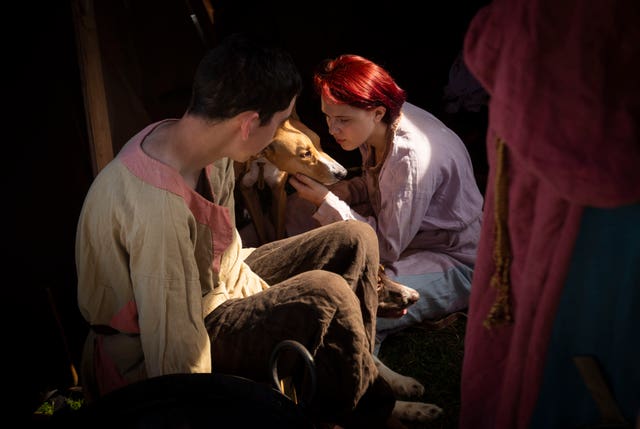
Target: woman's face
x: 349, y: 125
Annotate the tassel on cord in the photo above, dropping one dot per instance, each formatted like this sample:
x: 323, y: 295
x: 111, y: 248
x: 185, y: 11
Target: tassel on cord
x: 500, y: 312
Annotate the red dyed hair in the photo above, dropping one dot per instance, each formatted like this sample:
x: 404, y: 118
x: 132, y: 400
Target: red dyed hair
x: 359, y: 82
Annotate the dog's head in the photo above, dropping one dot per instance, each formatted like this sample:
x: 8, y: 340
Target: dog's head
x: 296, y: 149
x: 394, y: 298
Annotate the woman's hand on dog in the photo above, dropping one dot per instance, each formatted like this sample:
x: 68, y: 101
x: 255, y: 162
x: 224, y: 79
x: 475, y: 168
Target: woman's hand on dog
x: 309, y: 189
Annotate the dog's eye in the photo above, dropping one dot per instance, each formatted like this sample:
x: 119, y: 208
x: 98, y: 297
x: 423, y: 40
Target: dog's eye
x: 305, y: 154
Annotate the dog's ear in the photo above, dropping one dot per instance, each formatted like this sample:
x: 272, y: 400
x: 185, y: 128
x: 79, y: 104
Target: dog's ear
x: 269, y: 151
x: 313, y: 136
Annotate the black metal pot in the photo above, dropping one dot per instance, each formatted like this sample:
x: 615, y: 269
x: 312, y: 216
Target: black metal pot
x: 189, y: 401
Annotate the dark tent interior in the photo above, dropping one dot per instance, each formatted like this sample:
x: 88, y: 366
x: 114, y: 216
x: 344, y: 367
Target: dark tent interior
x: 149, y: 50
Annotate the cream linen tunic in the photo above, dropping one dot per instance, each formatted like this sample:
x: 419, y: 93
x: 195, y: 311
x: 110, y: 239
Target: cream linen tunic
x: 153, y: 258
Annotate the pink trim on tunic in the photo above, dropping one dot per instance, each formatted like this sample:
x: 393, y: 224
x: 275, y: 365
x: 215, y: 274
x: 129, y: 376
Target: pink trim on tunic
x: 164, y: 177
x: 107, y: 375
x: 126, y: 319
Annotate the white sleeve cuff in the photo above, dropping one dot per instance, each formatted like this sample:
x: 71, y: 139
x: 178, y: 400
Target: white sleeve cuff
x: 330, y: 210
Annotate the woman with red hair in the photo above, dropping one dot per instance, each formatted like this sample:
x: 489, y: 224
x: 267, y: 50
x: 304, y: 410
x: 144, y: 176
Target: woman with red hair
x: 417, y: 188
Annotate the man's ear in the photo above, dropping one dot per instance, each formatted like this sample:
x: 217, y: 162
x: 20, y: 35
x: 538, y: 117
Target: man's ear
x: 249, y: 121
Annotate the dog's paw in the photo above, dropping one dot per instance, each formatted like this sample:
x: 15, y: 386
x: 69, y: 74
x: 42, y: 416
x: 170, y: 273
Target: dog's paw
x: 416, y: 411
x: 405, y: 387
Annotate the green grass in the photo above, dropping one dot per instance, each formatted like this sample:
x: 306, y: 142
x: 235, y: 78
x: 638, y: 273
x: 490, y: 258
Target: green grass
x: 433, y: 356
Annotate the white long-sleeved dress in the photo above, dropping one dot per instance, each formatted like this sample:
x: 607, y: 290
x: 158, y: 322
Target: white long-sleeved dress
x: 424, y: 203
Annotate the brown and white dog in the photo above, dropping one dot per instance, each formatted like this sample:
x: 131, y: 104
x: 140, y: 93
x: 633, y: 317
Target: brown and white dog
x: 295, y: 148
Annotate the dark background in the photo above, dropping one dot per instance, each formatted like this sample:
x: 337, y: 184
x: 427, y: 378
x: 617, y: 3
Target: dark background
x: 150, y: 49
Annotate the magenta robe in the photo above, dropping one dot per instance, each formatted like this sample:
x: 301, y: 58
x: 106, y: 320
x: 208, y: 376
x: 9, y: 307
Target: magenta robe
x: 565, y: 95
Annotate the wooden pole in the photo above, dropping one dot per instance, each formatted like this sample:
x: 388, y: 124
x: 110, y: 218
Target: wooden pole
x: 95, y: 100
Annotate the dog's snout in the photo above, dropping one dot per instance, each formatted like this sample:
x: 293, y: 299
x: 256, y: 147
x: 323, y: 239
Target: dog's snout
x: 412, y: 296
x: 339, y: 171
x: 394, y: 298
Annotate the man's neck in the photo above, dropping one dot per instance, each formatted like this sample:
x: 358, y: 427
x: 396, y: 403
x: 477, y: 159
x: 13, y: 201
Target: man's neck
x: 183, y: 145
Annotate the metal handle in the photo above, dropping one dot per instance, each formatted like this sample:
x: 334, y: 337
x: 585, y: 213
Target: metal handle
x: 308, y: 360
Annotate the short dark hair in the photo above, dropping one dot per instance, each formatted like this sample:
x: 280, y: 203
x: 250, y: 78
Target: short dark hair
x: 240, y: 74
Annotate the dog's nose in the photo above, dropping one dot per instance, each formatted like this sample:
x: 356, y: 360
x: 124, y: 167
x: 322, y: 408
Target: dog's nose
x: 340, y: 172
x: 412, y: 296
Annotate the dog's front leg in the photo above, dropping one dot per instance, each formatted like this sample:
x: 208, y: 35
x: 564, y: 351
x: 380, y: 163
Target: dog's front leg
x: 279, y: 204
x: 401, y: 385
x: 416, y: 411
x: 252, y: 203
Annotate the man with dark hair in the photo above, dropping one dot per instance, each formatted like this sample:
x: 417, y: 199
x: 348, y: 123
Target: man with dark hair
x: 163, y: 279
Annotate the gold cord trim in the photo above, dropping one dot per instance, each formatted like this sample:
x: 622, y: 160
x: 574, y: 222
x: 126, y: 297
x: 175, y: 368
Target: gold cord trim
x: 500, y: 312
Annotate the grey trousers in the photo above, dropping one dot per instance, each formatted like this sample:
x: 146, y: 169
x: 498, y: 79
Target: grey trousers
x: 323, y: 295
